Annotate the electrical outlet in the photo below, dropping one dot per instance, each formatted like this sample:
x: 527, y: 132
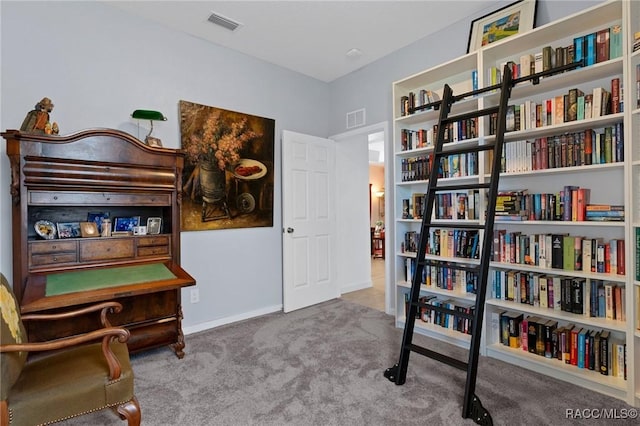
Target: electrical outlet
x: 195, y: 295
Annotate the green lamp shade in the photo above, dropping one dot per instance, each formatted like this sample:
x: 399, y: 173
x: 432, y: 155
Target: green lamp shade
x: 145, y: 114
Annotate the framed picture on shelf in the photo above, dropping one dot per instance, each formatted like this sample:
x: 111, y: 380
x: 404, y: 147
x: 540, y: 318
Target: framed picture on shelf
x: 97, y: 217
x: 89, y: 229
x: 516, y: 18
x: 154, y: 225
x: 69, y: 230
x: 126, y: 224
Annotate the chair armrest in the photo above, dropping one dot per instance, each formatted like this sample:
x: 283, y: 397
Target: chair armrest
x: 106, y: 334
x: 104, y: 307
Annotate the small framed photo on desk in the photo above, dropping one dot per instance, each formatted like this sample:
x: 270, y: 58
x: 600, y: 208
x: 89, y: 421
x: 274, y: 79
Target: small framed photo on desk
x: 154, y: 225
x: 126, y: 224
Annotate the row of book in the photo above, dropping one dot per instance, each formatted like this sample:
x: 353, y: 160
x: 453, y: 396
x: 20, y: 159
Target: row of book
x: 450, y: 321
x: 442, y: 277
x: 600, y: 46
x: 424, y: 138
x: 638, y: 86
x: 572, y: 106
x: 560, y: 251
x: 637, y: 252
x: 415, y: 102
x: 595, y: 350
x: 459, y: 243
x: 567, y: 150
x: 451, y: 166
x: 591, y: 298
x: 572, y: 204
x: 457, y: 205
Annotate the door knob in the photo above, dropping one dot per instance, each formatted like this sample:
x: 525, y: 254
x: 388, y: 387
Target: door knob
x: 289, y: 230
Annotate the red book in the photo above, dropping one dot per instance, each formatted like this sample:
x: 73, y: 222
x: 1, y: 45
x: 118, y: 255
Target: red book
x: 607, y: 258
x: 573, y: 354
x: 620, y: 259
x: 583, y: 197
x: 588, y: 147
x: 615, y: 95
x: 617, y: 302
x: 602, y: 45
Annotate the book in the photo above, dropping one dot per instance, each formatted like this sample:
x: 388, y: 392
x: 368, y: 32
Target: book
x: 590, y: 48
x: 602, y: 45
x: 604, y: 352
x: 615, y: 41
x: 615, y: 95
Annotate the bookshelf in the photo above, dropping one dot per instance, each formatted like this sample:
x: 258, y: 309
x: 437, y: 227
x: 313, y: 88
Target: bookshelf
x: 633, y: 177
x: 612, y: 178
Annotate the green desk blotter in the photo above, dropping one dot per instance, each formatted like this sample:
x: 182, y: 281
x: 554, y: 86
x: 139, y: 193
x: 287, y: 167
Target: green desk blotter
x: 70, y: 282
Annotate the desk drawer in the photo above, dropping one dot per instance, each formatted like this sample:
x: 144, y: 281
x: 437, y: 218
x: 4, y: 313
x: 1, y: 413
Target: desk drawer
x: 159, y: 240
x: 75, y: 198
x: 153, y: 251
x: 52, y: 258
x: 111, y: 248
x: 55, y: 246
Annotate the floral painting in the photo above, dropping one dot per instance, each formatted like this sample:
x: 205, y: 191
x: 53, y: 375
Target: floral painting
x: 228, y: 175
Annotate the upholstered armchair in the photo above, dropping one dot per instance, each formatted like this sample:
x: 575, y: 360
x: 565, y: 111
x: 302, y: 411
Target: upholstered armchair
x: 47, y: 382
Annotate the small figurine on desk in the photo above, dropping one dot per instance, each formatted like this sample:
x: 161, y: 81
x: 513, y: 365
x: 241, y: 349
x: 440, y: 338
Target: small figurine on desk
x: 37, y: 120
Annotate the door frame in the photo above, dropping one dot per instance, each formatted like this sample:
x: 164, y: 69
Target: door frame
x: 383, y: 126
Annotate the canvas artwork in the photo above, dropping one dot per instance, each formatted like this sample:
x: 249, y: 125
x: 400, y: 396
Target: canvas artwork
x: 228, y: 175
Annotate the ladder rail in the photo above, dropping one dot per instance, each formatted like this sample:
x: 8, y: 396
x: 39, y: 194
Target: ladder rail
x: 407, y: 337
x: 472, y: 407
x: 476, y: 333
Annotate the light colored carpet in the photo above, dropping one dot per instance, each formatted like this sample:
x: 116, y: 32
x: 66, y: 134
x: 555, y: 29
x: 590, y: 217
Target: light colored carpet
x: 372, y: 297
x: 324, y: 365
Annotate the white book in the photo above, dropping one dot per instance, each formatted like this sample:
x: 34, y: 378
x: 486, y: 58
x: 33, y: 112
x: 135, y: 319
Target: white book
x: 596, y: 105
x: 525, y: 65
x: 544, y: 296
x: 586, y: 255
x: 557, y: 294
x: 538, y: 62
x: 608, y: 301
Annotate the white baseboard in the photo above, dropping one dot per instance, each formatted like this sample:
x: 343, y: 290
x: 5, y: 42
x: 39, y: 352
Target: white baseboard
x: 228, y: 320
x: 355, y: 286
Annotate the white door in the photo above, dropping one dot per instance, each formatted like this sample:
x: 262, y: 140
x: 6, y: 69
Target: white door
x: 308, y: 220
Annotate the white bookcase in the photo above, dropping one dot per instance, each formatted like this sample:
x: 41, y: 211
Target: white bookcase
x: 616, y: 183
x: 632, y: 108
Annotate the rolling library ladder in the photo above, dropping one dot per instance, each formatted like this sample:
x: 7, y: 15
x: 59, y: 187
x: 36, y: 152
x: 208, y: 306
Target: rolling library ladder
x: 472, y: 407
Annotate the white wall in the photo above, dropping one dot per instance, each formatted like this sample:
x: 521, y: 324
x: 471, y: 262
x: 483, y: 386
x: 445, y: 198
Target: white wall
x: 353, y: 260
x: 98, y: 64
x: 370, y: 86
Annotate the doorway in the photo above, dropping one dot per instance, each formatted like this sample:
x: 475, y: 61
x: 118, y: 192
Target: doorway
x: 377, y: 293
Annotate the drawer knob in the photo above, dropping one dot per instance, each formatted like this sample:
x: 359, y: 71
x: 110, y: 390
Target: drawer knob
x: 54, y: 247
x: 55, y: 259
x: 55, y: 197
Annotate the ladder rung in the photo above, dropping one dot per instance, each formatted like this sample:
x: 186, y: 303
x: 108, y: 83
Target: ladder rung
x: 471, y: 114
x: 446, y: 150
x: 444, y: 188
x: 461, y: 365
x: 456, y: 225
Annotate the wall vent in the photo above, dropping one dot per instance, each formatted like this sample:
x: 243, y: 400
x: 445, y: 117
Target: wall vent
x: 355, y: 118
x: 223, y: 21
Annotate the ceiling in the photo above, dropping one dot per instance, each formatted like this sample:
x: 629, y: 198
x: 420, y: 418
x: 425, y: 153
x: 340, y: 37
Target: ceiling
x: 312, y: 37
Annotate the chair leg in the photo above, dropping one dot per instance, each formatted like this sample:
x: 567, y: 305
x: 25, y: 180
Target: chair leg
x: 130, y: 411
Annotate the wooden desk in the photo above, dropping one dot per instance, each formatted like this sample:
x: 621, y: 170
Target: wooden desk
x: 378, y: 245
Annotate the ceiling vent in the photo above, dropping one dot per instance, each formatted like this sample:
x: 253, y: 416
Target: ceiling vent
x: 355, y: 118
x: 223, y: 21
